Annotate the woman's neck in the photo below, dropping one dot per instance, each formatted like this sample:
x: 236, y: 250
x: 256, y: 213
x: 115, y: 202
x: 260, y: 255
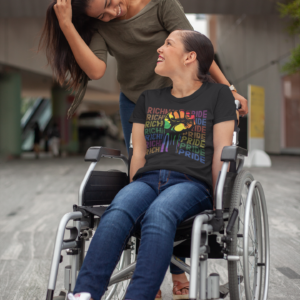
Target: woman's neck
x: 184, y: 88
x: 134, y: 7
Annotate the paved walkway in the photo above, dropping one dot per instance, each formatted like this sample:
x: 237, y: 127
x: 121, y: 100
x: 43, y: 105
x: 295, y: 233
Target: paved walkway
x: 35, y: 194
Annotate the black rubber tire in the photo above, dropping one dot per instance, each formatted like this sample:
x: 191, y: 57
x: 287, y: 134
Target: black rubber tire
x: 238, y: 186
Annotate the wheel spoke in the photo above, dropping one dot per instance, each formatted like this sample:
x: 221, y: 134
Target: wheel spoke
x: 249, y: 235
x: 251, y: 220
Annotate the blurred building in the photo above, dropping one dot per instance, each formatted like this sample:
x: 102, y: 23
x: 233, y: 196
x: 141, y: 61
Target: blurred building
x: 250, y: 42
x: 252, y: 50
x: 24, y: 76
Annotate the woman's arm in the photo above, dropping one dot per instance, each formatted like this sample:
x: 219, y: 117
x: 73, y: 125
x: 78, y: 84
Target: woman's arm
x: 223, y: 133
x: 139, y: 148
x: 219, y: 77
x: 86, y: 59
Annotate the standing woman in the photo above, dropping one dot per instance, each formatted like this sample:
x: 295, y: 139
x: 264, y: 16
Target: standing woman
x: 79, y: 33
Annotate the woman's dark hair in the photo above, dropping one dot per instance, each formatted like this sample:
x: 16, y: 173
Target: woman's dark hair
x: 58, y: 51
x: 199, y: 43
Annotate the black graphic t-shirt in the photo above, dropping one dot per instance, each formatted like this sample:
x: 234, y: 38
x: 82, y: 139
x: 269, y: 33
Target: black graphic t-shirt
x: 179, y: 131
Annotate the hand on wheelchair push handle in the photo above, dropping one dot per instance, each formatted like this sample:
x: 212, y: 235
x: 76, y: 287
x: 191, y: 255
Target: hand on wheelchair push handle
x: 243, y: 110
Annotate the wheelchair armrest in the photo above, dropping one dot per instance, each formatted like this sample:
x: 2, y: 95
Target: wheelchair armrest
x: 95, y: 153
x: 230, y: 153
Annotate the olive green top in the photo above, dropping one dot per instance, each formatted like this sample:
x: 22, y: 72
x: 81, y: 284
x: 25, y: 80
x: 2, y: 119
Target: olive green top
x: 134, y: 43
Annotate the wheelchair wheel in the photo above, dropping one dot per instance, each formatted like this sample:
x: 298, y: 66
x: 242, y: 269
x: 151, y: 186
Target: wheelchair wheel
x: 248, y: 275
x: 117, y: 291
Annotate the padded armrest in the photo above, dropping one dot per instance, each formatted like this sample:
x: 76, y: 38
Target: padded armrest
x: 230, y: 153
x: 95, y: 153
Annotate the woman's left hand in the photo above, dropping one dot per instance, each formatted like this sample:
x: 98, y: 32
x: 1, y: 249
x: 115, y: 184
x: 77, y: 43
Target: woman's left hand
x: 244, y: 103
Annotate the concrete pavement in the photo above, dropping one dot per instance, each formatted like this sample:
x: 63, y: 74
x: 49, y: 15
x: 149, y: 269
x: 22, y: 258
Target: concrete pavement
x: 35, y: 194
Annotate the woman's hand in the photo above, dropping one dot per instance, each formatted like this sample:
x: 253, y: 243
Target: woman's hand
x: 219, y: 77
x: 92, y: 66
x: 63, y: 11
x: 244, y: 103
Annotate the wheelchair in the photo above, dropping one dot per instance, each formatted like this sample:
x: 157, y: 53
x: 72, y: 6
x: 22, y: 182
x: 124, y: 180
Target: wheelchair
x: 236, y: 230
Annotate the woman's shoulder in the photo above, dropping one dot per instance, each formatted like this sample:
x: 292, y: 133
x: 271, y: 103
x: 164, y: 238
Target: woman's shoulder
x: 219, y: 94
x: 219, y: 90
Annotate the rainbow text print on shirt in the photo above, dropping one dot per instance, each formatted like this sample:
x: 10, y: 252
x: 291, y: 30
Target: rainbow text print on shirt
x: 176, y: 131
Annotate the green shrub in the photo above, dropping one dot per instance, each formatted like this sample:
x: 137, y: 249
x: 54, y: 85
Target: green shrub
x: 291, y: 9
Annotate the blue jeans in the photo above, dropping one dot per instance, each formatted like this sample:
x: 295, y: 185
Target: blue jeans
x: 157, y: 202
x: 126, y: 110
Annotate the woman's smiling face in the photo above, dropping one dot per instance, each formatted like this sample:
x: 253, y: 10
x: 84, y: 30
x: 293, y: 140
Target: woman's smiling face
x: 107, y: 10
x: 171, y: 55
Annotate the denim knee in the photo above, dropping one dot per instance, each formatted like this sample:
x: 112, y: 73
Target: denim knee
x: 160, y: 220
x: 118, y: 214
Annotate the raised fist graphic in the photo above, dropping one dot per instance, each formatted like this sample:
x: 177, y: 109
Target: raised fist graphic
x: 175, y: 123
x: 178, y: 121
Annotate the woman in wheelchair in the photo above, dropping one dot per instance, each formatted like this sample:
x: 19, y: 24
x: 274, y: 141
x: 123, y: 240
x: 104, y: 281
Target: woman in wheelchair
x: 178, y: 135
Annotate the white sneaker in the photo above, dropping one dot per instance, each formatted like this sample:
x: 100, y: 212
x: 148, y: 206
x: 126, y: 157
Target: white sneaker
x: 81, y: 296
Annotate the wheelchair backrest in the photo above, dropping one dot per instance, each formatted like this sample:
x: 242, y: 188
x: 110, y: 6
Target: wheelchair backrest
x: 103, y: 186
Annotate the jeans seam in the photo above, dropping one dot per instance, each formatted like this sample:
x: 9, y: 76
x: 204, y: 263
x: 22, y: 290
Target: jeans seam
x: 187, y: 178
x: 167, y: 178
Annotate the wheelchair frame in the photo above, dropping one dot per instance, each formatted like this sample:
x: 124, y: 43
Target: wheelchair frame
x: 202, y: 286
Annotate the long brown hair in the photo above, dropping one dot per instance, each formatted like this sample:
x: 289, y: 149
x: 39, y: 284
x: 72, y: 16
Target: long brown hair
x: 199, y: 43
x: 58, y: 51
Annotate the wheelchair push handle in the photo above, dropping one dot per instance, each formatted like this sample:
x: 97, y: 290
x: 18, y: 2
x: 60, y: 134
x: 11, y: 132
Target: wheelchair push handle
x: 95, y: 153
x: 237, y: 104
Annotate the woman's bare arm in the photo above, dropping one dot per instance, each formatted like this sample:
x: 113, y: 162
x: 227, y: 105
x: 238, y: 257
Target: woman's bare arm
x: 93, y: 67
x: 219, y: 77
x: 139, y: 148
x: 223, y: 133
